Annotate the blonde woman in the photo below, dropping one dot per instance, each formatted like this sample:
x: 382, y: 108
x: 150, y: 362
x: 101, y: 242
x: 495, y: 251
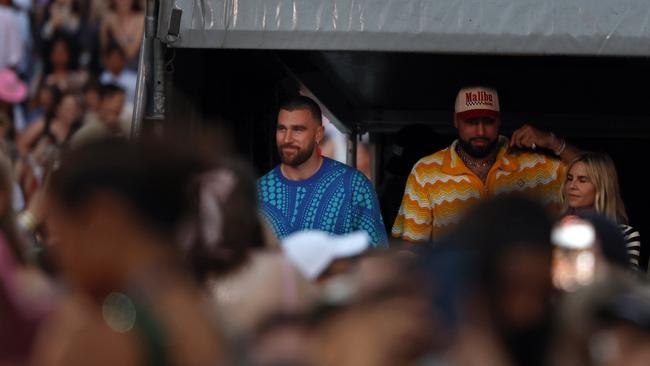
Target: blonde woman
x: 592, y: 185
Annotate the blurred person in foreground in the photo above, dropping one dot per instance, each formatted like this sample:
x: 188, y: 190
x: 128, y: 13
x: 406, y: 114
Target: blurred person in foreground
x: 376, y: 315
x: 592, y: 186
x: 369, y: 308
x: 308, y: 191
x: 320, y: 256
x: 479, y: 164
x: 281, y: 339
x: 25, y: 295
x: 113, y: 210
x: 602, y: 275
x: 588, y: 248
x: 506, y: 315
x: 224, y: 244
x: 277, y: 288
x: 622, y: 337
x: 607, y: 323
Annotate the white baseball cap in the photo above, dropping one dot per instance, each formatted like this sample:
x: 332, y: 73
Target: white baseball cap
x: 477, y: 101
x: 311, y: 252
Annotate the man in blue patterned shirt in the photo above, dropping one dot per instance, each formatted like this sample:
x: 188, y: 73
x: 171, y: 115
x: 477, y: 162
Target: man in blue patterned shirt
x: 308, y: 191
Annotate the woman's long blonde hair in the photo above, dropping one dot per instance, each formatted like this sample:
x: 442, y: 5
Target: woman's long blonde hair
x: 602, y: 172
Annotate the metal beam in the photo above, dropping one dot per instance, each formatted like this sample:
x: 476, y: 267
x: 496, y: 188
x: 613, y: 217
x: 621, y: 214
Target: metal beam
x: 144, y: 68
x: 351, y: 158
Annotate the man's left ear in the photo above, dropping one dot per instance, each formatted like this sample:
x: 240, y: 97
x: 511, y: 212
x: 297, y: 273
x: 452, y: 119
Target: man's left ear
x: 320, y: 133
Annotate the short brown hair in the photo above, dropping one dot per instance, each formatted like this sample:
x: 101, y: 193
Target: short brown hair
x: 302, y: 102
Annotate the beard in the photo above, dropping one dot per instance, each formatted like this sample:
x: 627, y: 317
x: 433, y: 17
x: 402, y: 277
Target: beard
x: 478, y: 152
x: 297, y: 158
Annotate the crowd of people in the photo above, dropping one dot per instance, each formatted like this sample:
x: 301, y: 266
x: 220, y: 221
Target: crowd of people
x: 67, y: 73
x: 495, y: 250
x: 164, y: 252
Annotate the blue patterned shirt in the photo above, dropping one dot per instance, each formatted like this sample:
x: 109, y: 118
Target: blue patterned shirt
x: 337, y: 199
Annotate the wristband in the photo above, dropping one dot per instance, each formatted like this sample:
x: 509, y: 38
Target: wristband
x: 560, y: 150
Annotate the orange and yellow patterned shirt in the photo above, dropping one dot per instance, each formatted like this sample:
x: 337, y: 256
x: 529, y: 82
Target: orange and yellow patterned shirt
x: 441, y: 188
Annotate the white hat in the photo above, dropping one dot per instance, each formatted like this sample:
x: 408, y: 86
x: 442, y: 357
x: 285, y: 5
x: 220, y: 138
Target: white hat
x: 477, y: 101
x: 313, y: 251
x: 573, y: 232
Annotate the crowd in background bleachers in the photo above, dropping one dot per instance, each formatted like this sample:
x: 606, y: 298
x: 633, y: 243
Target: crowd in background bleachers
x: 59, y: 60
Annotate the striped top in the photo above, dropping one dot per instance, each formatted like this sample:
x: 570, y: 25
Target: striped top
x: 441, y: 188
x: 633, y: 245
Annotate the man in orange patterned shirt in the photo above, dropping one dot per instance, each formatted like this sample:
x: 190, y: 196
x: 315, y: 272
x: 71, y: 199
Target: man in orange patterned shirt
x: 480, y: 163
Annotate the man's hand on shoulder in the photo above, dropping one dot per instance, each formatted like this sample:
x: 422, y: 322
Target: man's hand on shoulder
x: 530, y: 137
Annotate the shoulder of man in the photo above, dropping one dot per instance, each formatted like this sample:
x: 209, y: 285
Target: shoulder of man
x: 431, y: 162
x: 331, y: 164
x: 528, y: 158
x: 348, y: 171
x: 268, y: 177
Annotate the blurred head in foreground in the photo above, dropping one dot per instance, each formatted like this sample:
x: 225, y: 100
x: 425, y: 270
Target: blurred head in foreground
x: 115, y: 208
x: 511, y: 289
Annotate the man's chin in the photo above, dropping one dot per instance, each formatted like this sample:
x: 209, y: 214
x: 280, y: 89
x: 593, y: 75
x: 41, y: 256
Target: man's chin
x: 294, y: 160
x: 479, y: 151
x: 294, y: 157
x: 289, y: 162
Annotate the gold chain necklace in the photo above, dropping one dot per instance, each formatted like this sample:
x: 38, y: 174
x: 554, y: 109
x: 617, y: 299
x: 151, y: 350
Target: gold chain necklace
x: 481, y: 169
x: 471, y: 163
